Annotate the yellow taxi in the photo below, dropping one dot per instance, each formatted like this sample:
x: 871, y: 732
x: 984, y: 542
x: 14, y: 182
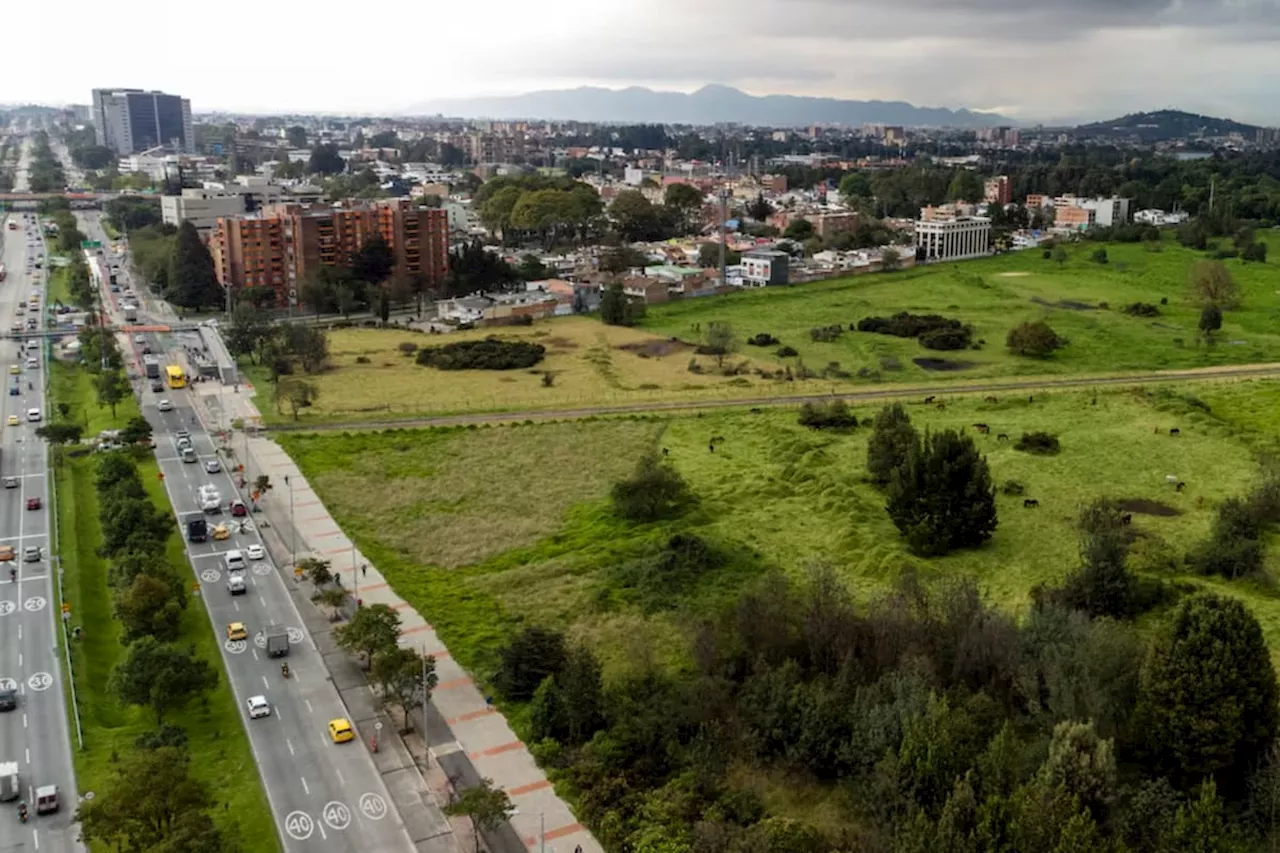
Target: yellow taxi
x: 7, y: 555
x: 236, y: 631
x: 14, y: 369
x: 221, y: 532
x: 13, y: 420
x: 340, y: 730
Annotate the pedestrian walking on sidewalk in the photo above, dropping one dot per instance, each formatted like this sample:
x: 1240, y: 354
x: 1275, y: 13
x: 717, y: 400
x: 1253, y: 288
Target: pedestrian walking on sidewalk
x: 364, y: 570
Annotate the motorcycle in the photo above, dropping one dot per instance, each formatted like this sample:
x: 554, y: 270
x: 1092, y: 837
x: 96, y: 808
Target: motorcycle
x: 22, y: 812
x: 284, y: 670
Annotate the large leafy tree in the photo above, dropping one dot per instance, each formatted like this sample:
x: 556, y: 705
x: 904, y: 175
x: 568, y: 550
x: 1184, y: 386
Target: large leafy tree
x: 161, y: 676
x: 941, y: 497
x: 151, y: 802
x: 371, y: 630
x: 1207, y: 702
x: 405, y: 678
x: 192, y: 281
x: 148, y: 607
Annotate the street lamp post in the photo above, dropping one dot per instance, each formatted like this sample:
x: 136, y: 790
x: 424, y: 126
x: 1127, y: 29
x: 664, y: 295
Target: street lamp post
x: 293, y: 529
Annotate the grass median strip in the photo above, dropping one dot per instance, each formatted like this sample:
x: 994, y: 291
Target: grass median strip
x: 220, y: 753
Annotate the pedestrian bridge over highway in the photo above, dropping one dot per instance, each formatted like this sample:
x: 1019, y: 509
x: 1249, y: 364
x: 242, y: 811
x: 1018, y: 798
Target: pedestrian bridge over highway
x: 79, y: 201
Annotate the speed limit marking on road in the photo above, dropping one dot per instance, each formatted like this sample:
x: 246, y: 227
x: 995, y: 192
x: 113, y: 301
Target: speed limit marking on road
x: 40, y: 681
x: 337, y: 815
x: 299, y: 825
x: 210, y: 575
x: 236, y: 647
x: 8, y: 684
x: 261, y: 568
x: 34, y: 603
x: 296, y: 636
x: 7, y: 607
x: 373, y: 806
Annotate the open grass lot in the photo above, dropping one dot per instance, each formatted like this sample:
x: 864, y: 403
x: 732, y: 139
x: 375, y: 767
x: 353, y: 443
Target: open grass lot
x: 995, y: 294
x: 491, y: 527
x: 219, y: 749
x: 597, y: 365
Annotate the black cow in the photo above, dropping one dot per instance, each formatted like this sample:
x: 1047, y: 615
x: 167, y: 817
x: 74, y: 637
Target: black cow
x: 982, y: 428
x: 928, y: 400
x: 1031, y: 503
x: 1004, y: 436
x: 1127, y: 518
x: 1181, y: 486
x: 1175, y: 431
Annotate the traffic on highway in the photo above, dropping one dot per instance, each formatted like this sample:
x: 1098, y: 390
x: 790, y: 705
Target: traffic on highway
x: 37, y: 778
x: 324, y: 789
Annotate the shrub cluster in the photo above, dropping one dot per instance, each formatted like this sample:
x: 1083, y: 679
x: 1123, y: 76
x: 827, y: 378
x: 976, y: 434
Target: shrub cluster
x: 827, y: 334
x: 1141, y: 309
x: 1236, y: 546
x: 932, y: 330
x: 1042, y: 443
x: 489, y: 354
x: 834, y: 415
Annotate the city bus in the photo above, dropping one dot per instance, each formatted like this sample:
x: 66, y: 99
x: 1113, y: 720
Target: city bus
x: 177, y: 379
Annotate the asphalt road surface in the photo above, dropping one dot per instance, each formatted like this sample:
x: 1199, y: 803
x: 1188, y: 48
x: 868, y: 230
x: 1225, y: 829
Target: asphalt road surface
x: 325, y: 796
x: 35, y: 735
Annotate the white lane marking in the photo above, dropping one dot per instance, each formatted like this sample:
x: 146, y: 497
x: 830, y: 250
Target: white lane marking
x: 265, y: 683
x: 255, y: 653
x: 338, y: 773
x: 237, y: 605
x: 28, y: 755
x: 19, y: 660
x: 289, y: 744
x: 19, y: 632
x: 310, y: 710
x: 35, y: 833
x: 322, y: 835
x: 24, y: 719
x: 304, y: 785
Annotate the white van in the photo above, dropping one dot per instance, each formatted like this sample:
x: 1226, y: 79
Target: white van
x: 235, y: 561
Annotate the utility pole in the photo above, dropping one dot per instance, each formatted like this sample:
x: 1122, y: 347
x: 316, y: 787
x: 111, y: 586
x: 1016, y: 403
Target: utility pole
x: 724, y: 216
x: 426, y: 741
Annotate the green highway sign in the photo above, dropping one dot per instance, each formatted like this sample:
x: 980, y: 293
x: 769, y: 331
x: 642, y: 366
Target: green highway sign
x: 90, y: 244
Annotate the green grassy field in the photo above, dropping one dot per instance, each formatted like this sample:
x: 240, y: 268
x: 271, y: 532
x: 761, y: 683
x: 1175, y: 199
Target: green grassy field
x: 487, y: 528
x: 219, y: 748
x: 595, y: 365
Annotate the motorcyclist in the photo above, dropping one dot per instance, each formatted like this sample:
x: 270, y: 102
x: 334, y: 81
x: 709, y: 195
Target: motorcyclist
x: 13, y: 575
x: 22, y: 811
x: 284, y: 670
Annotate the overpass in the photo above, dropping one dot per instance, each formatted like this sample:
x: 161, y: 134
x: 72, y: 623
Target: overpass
x: 78, y: 200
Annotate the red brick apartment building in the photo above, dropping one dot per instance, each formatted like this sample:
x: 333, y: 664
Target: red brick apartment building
x: 283, y: 245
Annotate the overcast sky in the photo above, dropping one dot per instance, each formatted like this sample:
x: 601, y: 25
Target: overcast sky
x: 1029, y: 59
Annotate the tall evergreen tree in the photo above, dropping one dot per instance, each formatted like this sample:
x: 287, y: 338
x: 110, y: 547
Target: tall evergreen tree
x: 941, y: 497
x: 192, y: 281
x: 891, y: 439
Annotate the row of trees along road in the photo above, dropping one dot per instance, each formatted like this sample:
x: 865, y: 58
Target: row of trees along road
x: 153, y: 801
x: 404, y: 679
x: 940, y: 722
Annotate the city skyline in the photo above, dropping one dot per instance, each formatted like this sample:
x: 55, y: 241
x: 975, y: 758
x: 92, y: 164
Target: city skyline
x: 1032, y: 61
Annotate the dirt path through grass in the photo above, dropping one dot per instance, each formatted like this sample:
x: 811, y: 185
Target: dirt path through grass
x: 1203, y: 374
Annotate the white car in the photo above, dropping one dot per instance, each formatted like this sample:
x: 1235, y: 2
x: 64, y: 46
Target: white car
x: 212, y: 466
x: 255, y: 552
x: 164, y: 406
x: 32, y: 361
x: 33, y: 415
x: 139, y: 339
x: 258, y: 707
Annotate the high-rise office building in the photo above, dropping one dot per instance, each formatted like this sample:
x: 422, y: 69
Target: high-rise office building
x: 130, y: 121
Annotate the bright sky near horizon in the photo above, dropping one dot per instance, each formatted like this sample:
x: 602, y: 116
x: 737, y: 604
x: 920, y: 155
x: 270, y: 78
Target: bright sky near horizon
x: 1029, y: 59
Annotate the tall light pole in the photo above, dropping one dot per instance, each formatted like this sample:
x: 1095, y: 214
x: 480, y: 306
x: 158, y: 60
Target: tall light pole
x: 724, y: 218
x: 293, y: 529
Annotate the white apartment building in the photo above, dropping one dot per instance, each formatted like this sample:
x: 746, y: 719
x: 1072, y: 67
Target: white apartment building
x: 1108, y: 212
x: 954, y: 239
x: 200, y: 207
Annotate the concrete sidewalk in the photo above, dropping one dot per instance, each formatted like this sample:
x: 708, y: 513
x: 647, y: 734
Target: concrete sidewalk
x: 466, y: 738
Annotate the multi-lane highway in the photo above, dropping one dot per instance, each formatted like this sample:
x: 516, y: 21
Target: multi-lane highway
x: 325, y: 796
x: 35, y: 733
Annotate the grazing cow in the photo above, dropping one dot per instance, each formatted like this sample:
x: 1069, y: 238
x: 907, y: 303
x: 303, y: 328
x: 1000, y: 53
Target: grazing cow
x: 1175, y: 431
x: 928, y: 400
x: 1171, y: 479
x: 1093, y: 402
x: 1127, y: 518
x: 991, y: 399
x: 1031, y: 503
x: 982, y: 428
x: 1004, y: 436
x: 756, y: 411
x: 1155, y: 430
x: 711, y: 447
x: 941, y: 405
x: 1180, y: 486
x: 665, y: 451
x: 1200, y: 501
x: 1031, y: 398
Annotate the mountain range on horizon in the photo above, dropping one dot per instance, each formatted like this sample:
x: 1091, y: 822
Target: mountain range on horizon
x: 713, y: 104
